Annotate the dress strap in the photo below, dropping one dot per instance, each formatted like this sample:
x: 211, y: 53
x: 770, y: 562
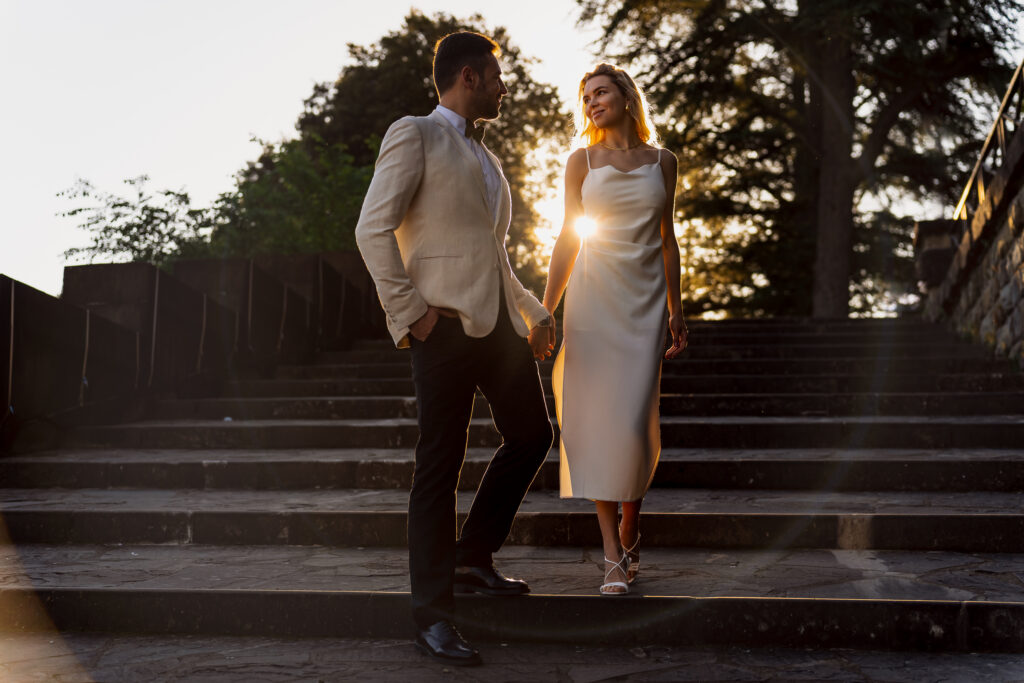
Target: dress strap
x: 587, y: 151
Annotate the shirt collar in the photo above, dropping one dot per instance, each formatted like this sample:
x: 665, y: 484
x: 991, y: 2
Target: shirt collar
x: 458, y: 122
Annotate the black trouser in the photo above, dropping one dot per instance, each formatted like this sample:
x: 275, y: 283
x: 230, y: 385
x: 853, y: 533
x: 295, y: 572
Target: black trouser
x: 447, y: 368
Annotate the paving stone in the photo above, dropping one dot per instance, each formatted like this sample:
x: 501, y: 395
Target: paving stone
x: 82, y: 657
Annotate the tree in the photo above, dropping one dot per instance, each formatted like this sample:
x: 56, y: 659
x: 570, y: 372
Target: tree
x: 392, y: 78
x: 301, y: 196
x: 144, y: 227
x: 304, y: 194
x: 802, y: 123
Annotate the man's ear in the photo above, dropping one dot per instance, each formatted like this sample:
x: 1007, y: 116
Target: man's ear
x: 468, y: 77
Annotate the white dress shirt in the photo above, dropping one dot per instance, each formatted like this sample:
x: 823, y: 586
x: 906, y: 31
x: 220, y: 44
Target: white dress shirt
x: 491, y: 178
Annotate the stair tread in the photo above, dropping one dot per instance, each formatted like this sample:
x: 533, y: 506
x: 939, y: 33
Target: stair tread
x: 909, y: 355
x: 227, y: 455
x: 122, y: 657
x: 560, y: 571
x: 908, y: 364
x: 665, y: 419
x: 716, y: 350
x: 692, y: 501
x: 342, y: 398
x: 766, y: 376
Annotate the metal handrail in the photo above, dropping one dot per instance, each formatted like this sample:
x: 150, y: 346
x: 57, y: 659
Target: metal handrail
x: 997, y: 134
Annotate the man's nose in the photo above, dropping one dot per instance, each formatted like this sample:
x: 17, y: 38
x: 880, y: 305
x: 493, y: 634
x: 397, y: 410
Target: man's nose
x: 504, y: 90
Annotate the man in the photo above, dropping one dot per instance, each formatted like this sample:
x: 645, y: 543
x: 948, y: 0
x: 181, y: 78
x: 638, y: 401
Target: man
x: 432, y: 232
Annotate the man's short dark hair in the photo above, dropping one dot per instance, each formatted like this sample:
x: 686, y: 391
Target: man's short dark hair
x: 456, y: 50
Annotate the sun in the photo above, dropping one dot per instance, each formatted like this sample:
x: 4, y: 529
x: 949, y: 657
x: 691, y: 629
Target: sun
x: 585, y: 226
x: 551, y: 213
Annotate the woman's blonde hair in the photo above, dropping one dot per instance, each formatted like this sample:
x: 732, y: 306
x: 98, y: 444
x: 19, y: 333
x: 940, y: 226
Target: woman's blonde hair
x: 636, y: 106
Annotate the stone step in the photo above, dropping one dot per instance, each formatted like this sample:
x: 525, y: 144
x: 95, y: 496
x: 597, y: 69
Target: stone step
x: 877, y: 329
x: 714, y: 384
x: 183, y: 657
x: 672, y: 518
x: 747, y: 336
x: 807, y: 599
x: 1005, y: 431
x: 377, y: 407
x: 689, y: 368
x: 748, y: 349
x: 851, y: 599
x: 953, y: 470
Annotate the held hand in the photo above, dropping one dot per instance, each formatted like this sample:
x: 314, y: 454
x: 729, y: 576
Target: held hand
x: 542, y: 341
x: 677, y: 328
x: 422, y: 328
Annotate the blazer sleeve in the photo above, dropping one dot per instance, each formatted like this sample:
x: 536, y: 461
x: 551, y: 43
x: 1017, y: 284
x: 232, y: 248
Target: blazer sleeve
x: 529, y: 306
x: 396, y: 179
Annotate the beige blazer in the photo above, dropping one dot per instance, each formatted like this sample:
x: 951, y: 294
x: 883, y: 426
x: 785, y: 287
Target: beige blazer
x: 428, y: 236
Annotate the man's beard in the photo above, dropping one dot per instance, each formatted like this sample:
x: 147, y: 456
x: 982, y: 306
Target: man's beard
x: 489, y: 107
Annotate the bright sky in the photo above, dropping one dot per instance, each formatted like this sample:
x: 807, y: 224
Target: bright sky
x: 111, y: 89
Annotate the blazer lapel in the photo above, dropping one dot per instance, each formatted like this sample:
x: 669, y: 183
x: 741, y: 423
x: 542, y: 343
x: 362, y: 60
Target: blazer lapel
x: 503, y: 213
x: 464, y: 151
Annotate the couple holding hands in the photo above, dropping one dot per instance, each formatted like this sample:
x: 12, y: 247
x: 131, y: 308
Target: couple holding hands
x: 432, y: 233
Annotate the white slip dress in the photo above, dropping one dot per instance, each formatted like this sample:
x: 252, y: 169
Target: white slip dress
x: 607, y: 375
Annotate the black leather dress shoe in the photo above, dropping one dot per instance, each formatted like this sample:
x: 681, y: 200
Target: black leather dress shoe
x: 489, y: 581
x: 443, y: 642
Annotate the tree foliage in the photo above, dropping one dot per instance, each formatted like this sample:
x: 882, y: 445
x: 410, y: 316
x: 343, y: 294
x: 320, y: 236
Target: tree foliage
x: 304, y: 194
x: 392, y: 78
x: 143, y: 226
x: 300, y: 196
x: 803, y: 127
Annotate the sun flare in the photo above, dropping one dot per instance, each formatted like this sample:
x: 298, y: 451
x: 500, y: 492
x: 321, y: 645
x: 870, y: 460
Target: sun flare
x: 585, y: 226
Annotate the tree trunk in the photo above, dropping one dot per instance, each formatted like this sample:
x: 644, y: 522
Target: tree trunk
x: 836, y: 179
x: 807, y: 100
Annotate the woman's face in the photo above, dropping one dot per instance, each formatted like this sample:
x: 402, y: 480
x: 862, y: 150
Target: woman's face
x: 603, y: 102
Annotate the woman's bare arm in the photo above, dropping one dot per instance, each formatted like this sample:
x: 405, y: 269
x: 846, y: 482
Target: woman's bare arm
x: 567, y: 246
x: 670, y: 256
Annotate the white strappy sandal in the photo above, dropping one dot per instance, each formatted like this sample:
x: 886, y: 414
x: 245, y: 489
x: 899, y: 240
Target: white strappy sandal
x: 623, y: 566
x: 634, y: 561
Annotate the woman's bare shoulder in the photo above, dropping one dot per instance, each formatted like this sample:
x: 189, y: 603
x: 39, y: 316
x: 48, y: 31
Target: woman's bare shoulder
x: 578, y: 156
x: 577, y: 162
x: 668, y: 160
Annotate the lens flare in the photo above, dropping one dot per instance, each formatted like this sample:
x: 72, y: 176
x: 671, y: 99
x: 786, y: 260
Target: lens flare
x: 585, y: 227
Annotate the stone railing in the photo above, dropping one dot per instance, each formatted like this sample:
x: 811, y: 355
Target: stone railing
x: 58, y: 357
x: 121, y: 333
x: 973, y: 266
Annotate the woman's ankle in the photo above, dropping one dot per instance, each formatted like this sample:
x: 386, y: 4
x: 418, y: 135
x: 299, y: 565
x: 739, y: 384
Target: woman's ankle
x: 613, y: 553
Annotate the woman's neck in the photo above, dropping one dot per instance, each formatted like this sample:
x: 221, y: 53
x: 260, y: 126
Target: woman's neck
x: 621, y: 137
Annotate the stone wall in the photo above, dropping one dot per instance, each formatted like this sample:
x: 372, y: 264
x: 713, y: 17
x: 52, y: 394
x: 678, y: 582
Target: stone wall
x: 982, y: 293
x: 989, y: 304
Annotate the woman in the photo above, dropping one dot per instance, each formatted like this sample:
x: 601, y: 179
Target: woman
x: 624, y: 283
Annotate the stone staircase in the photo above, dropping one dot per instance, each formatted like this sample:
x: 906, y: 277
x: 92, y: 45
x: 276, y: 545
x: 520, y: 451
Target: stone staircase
x: 849, y: 484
